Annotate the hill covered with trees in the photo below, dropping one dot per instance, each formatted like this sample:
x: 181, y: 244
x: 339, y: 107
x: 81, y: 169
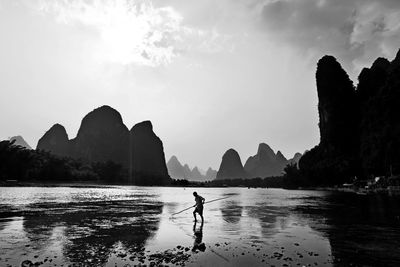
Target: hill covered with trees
x: 359, y: 126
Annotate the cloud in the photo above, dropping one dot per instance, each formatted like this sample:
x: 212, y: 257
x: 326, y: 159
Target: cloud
x: 155, y: 32
x: 129, y: 31
x: 135, y: 32
x: 355, y: 31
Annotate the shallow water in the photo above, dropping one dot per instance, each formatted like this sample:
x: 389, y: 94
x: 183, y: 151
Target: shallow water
x: 126, y: 226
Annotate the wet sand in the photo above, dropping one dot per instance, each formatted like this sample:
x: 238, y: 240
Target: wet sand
x: 128, y: 226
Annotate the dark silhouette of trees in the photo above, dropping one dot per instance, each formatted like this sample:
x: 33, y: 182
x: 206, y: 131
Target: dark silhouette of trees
x: 19, y: 163
x: 15, y: 161
x: 293, y: 178
x: 276, y: 182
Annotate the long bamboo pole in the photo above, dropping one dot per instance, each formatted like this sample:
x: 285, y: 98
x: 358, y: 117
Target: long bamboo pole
x: 195, y: 205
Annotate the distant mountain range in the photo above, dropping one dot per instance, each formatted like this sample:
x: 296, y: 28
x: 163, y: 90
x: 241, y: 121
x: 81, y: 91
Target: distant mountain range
x: 20, y: 141
x: 263, y: 164
x: 178, y: 171
x: 103, y: 137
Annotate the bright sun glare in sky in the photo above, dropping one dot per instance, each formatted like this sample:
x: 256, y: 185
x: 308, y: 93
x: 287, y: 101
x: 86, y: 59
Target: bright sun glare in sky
x: 129, y: 31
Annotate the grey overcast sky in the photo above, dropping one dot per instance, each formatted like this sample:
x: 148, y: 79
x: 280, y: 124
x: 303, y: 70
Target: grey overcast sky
x: 210, y: 74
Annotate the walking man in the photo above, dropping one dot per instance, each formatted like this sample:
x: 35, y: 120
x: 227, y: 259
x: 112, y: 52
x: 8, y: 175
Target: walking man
x: 199, y: 206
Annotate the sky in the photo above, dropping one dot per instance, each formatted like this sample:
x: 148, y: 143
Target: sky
x: 210, y: 75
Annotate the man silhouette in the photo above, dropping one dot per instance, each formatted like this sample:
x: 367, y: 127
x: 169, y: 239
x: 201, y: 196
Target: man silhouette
x: 199, y: 206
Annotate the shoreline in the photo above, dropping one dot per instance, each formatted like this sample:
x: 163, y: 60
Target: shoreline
x: 89, y: 184
x: 391, y: 190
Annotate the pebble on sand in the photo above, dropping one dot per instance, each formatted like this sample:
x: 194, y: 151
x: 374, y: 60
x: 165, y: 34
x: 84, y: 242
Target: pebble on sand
x: 26, y: 263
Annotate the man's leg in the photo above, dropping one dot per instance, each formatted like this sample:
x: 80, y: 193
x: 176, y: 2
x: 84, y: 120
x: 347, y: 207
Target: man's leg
x: 194, y: 215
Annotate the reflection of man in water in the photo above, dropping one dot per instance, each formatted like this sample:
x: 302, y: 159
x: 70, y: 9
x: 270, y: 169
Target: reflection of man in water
x: 199, y: 206
x: 198, y: 238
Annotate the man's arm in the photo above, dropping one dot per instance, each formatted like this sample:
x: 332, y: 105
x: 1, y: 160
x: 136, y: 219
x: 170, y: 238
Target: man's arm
x: 203, y: 199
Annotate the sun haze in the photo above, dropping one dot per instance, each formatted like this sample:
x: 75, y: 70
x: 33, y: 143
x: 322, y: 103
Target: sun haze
x: 210, y: 75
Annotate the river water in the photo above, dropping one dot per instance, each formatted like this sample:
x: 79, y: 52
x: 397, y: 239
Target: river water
x: 127, y: 226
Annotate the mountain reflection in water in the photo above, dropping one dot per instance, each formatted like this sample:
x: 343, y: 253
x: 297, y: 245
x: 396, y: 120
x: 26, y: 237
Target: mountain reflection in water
x: 123, y: 225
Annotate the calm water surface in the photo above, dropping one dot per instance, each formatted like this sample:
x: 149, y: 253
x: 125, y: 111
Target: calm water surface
x: 126, y: 226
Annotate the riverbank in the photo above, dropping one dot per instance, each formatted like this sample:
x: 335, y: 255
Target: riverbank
x: 390, y: 190
x: 89, y: 184
x: 58, y: 184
